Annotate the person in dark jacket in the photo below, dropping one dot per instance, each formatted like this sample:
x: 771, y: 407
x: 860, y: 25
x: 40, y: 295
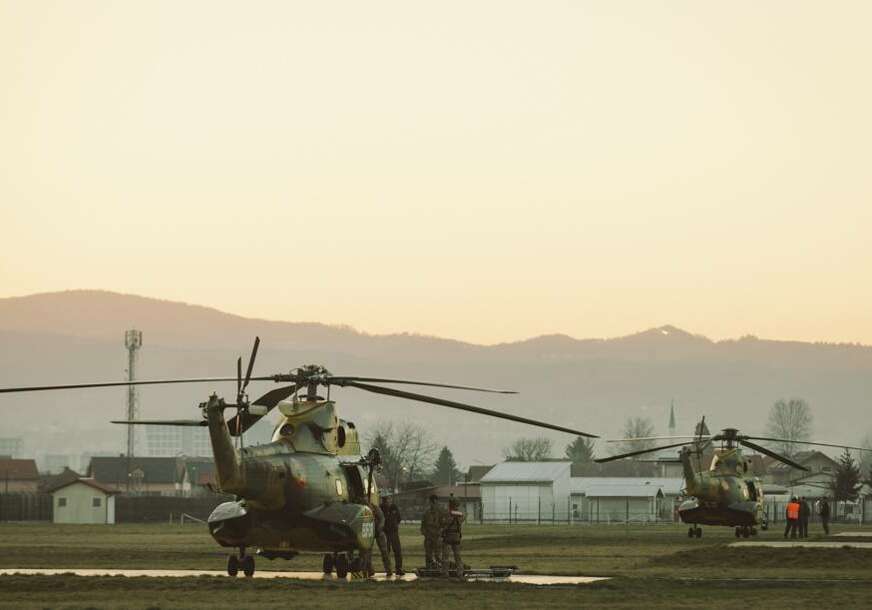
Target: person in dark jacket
x: 804, y: 515
x: 824, y: 512
x: 392, y: 531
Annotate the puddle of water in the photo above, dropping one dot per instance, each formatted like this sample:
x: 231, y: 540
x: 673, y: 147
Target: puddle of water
x: 854, y: 535
x: 809, y: 545
x: 538, y: 579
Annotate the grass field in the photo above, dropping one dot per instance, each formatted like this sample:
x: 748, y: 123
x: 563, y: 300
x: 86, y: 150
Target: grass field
x: 654, y: 566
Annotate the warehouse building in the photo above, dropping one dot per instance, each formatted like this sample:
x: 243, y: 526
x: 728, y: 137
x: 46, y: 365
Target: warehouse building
x: 526, y: 491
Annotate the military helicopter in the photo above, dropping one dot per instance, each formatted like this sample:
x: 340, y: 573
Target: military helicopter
x: 310, y: 489
x: 727, y: 493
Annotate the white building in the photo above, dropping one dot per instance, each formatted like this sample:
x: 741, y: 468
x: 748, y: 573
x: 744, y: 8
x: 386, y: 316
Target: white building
x: 526, y: 491
x: 624, y: 499
x: 82, y: 500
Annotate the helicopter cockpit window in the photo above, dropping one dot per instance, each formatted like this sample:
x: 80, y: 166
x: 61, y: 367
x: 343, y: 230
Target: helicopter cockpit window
x: 286, y: 430
x: 340, y: 436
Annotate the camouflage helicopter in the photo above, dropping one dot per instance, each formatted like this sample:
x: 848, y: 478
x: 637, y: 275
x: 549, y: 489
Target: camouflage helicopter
x: 727, y: 493
x: 310, y: 489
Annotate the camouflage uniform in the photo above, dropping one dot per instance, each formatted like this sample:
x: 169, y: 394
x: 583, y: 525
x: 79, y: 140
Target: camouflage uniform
x: 380, y: 540
x: 451, y: 537
x: 431, y: 528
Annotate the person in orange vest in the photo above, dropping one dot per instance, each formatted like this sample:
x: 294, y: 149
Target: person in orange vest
x: 792, y: 514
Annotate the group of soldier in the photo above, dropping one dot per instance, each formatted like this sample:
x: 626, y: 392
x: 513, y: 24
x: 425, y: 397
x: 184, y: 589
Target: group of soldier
x: 798, y: 512
x: 441, y: 530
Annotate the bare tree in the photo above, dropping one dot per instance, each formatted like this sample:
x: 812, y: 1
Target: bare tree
x: 791, y: 420
x: 407, y: 450
x: 636, y: 427
x: 529, y: 450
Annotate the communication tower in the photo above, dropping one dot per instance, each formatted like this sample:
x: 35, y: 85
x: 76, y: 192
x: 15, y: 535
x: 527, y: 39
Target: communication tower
x: 132, y: 341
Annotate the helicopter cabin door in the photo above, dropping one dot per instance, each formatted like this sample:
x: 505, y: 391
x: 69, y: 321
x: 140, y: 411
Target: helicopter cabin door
x: 752, y: 490
x: 355, y: 477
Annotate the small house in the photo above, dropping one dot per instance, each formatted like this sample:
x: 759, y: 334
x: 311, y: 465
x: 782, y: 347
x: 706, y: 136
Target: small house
x: 78, y: 499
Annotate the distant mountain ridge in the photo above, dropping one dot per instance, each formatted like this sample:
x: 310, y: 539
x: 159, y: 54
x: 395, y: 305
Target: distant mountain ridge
x: 590, y: 384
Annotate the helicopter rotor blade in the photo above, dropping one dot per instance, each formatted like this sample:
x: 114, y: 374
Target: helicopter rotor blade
x: 461, y: 406
x: 771, y: 454
x: 238, y: 377
x: 251, y: 363
x: 653, y: 438
x: 245, y: 419
x: 640, y: 452
x: 340, y: 381
x: 787, y: 440
x: 109, y: 384
x: 162, y: 422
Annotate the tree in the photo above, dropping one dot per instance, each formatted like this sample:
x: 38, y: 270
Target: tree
x: 790, y: 420
x: 445, y: 470
x: 406, y: 450
x: 846, y: 480
x: 580, y: 451
x: 529, y: 450
x: 636, y: 427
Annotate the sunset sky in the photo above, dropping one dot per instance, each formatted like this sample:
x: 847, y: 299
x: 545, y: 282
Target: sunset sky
x: 486, y: 171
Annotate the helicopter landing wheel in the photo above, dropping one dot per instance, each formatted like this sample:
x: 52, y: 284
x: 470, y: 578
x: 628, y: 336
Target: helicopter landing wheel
x: 356, y: 567
x: 690, y: 532
x: 232, y: 565
x: 329, y: 562
x: 247, y: 565
x: 698, y: 532
x: 746, y: 532
x: 753, y: 531
x: 341, y: 565
x: 738, y: 532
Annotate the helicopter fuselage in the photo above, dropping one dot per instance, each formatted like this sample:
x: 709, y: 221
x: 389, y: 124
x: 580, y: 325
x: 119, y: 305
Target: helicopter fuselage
x: 723, y: 495
x: 304, y: 491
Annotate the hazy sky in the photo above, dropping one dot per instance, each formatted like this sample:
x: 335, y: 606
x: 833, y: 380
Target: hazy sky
x: 480, y: 170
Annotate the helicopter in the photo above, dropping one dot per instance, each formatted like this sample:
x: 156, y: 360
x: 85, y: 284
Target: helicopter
x: 310, y: 488
x: 727, y: 493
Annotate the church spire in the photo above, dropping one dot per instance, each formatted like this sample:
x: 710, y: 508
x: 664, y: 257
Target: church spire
x: 672, y: 418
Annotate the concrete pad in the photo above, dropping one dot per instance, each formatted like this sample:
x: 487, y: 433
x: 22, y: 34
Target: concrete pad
x: 787, y: 544
x: 853, y: 535
x: 538, y: 579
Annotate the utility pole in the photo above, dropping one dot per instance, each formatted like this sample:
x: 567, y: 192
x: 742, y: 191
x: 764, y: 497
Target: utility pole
x: 132, y: 341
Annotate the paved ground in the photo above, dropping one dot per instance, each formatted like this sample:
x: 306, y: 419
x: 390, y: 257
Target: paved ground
x: 807, y: 544
x: 854, y: 535
x: 541, y: 579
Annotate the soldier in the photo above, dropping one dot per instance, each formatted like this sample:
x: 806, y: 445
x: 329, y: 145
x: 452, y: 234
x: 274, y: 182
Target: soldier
x: 451, y: 536
x: 804, y: 514
x: 392, y: 531
x: 824, y: 512
x: 380, y: 540
x: 431, y: 529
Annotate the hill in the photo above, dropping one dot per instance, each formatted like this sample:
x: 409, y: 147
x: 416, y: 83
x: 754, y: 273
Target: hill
x: 591, y: 384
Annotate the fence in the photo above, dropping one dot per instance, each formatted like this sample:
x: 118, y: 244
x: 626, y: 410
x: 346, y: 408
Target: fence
x: 25, y: 506
x: 128, y: 509
x: 146, y: 509
x: 577, y: 509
